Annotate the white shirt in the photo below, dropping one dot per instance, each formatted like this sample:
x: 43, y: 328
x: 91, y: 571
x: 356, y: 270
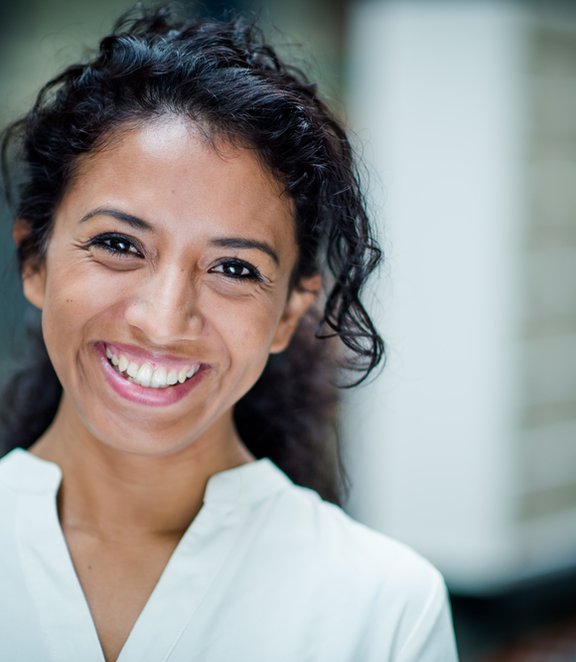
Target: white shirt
x: 266, y: 572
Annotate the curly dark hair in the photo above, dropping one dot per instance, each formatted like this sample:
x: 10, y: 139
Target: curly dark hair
x: 224, y: 77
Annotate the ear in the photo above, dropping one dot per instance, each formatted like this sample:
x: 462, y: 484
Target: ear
x: 301, y: 298
x: 33, y: 276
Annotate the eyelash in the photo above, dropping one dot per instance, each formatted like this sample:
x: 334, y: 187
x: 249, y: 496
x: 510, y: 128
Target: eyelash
x: 253, y: 273
x: 131, y: 249
x: 105, y: 241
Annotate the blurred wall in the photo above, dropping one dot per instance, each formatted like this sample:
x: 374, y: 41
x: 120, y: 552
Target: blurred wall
x: 466, y: 447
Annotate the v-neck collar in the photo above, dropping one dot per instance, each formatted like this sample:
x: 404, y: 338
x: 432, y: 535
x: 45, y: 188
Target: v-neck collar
x: 24, y: 472
x: 62, y: 608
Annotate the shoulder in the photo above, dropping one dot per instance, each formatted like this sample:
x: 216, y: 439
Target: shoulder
x: 389, y: 594
x: 352, y: 548
x: 24, y: 473
x: 23, y: 476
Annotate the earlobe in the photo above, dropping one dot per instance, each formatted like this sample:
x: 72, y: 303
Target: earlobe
x: 33, y: 277
x: 33, y: 284
x: 300, y: 299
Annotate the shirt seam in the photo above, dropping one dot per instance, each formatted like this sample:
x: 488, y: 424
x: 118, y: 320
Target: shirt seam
x: 427, y: 608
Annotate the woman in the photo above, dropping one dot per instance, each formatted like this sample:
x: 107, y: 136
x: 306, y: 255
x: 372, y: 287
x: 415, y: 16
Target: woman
x: 186, y: 198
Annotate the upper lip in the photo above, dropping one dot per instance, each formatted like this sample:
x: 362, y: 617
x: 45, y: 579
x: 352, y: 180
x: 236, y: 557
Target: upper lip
x: 156, y: 359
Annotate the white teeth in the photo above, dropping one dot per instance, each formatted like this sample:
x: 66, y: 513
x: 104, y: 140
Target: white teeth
x: 158, y: 378
x: 172, y: 377
x: 146, y: 375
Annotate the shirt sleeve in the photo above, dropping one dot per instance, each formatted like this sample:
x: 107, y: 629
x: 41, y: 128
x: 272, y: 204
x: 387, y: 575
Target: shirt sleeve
x: 432, y: 636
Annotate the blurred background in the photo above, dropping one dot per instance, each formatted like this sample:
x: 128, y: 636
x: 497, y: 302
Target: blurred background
x: 464, y: 113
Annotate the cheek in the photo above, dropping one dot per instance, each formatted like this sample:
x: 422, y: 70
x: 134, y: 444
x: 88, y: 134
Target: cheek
x: 71, y: 301
x: 249, y: 328
x: 247, y: 336
x: 62, y: 332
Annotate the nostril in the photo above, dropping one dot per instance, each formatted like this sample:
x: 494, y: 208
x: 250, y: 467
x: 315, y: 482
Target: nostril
x: 165, y: 320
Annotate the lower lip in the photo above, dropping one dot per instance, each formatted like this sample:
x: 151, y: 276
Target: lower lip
x: 152, y: 397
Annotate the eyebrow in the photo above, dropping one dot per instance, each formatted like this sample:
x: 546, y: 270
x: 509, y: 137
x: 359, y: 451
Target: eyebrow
x: 241, y: 242
x: 223, y: 242
x: 132, y: 221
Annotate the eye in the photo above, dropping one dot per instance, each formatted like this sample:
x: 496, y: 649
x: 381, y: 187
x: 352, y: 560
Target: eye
x: 238, y: 270
x: 117, y: 244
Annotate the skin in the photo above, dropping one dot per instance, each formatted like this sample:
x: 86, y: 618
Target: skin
x: 134, y: 475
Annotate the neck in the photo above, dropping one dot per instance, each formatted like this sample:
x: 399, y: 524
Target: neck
x: 116, y: 494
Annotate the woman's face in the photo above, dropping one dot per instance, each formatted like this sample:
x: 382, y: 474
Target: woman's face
x: 166, y: 286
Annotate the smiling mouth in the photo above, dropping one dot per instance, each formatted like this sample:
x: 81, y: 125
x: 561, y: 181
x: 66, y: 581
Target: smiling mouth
x: 147, y: 375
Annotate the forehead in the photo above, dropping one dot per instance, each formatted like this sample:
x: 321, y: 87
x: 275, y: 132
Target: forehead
x: 169, y: 172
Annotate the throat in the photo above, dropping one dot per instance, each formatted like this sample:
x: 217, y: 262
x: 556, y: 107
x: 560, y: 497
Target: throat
x: 118, y: 580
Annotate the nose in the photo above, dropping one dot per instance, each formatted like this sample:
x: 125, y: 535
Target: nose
x: 165, y: 307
